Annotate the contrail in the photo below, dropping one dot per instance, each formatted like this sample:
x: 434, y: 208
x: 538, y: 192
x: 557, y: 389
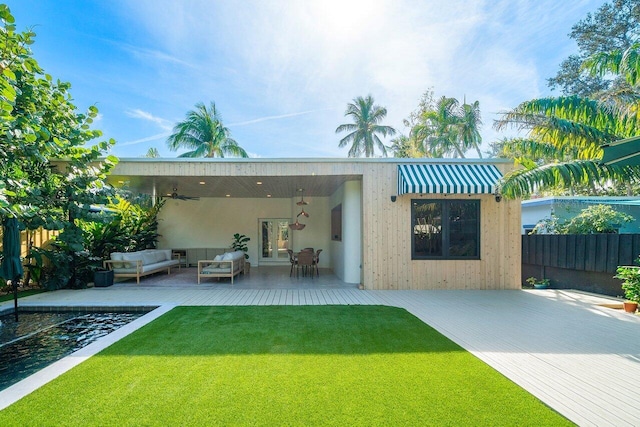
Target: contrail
x: 147, y: 139
x: 282, y: 116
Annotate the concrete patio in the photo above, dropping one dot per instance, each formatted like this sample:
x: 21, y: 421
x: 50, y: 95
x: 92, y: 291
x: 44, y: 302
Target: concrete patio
x: 579, y: 357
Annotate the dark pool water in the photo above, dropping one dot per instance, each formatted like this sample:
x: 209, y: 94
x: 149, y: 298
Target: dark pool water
x: 39, y: 339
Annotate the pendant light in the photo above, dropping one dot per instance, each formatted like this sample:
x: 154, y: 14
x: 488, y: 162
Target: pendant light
x: 297, y: 225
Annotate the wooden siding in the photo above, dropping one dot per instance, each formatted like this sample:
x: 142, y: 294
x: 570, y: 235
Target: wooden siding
x: 386, y: 236
x: 387, y: 262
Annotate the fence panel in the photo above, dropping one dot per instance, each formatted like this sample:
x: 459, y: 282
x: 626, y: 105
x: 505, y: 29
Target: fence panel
x: 584, y: 252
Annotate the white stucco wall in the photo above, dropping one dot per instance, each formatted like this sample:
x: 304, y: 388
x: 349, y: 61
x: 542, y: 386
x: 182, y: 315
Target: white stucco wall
x: 211, y: 223
x: 346, y: 255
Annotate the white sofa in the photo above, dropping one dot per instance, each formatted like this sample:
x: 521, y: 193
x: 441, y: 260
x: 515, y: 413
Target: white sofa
x: 229, y: 264
x: 141, y: 263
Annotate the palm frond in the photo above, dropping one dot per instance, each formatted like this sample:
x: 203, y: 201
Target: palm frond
x: 521, y: 182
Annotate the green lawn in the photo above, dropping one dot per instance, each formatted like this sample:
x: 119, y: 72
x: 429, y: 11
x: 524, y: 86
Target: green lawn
x: 282, y: 365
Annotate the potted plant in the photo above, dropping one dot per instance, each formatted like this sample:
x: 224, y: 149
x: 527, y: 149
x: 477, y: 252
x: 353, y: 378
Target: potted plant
x: 538, y: 283
x: 630, y: 276
x: 239, y: 243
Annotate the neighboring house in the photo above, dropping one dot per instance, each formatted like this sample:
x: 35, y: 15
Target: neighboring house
x: 565, y: 208
x: 383, y: 223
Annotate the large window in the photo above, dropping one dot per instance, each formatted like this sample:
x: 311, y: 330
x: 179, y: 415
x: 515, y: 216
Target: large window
x: 445, y: 229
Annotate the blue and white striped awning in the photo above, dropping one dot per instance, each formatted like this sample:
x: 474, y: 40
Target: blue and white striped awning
x: 448, y: 178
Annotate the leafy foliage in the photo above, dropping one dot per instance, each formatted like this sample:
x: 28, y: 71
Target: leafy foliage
x: 441, y: 128
x: 39, y: 124
x: 630, y: 276
x: 123, y: 227
x: 364, y: 131
x: 204, y: 134
x: 562, y: 148
x: 239, y: 243
x: 614, y: 26
x: 591, y: 220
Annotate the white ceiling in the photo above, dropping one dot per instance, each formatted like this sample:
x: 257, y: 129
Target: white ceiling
x: 243, y: 187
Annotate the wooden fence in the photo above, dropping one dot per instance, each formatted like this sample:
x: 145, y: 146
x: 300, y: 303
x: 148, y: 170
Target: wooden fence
x: 586, y: 262
x: 585, y: 252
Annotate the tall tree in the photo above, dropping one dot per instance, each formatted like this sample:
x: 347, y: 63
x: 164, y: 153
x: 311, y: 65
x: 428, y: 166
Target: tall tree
x: 443, y: 128
x: 469, y: 126
x: 204, y: 134
x: 614, y: 26
x: 39, y: 124
x: 364, y: 131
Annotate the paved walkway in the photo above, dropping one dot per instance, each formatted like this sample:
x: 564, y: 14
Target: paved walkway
x: 578, y: 357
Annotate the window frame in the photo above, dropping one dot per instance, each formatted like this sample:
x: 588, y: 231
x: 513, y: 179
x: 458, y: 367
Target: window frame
x: 445, y: 205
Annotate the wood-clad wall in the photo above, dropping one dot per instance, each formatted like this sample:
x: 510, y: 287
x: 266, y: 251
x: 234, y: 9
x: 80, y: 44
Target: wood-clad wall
x: 387, y: 237
x: 386, y: 225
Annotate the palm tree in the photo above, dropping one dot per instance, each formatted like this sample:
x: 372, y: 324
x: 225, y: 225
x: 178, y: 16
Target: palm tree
x: 437, y: 129
x: 406, y: 147
x: 152, y: 153
x: 202, y: 132
x: 469, y: 126
x: 624, y: 63
x: 364, y: 131
x: 449, y: 129
x: 562, y: 148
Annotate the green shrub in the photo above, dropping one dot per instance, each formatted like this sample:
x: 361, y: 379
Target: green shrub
x: 591, y: 220
x: 630, y: 276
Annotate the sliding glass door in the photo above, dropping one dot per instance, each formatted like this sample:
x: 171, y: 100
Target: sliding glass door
x: 274, y: 239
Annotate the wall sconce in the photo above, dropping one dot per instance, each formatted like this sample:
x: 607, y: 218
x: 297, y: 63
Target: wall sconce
x: 498, y: 197
x: 393, y: 199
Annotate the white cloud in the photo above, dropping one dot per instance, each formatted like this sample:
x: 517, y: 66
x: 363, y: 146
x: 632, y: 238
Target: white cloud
x: 265, y: 59
x: 144, y: 115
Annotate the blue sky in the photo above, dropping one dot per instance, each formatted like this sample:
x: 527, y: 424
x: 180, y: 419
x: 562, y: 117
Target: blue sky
x: 282, y: 72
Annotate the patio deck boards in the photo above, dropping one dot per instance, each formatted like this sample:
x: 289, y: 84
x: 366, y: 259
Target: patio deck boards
x: 579, y: 358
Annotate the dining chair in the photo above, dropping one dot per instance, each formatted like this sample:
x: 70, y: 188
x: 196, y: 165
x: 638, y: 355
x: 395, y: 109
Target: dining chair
x: 305, y: 261
x: 293, y: 260
x: 316, y: 261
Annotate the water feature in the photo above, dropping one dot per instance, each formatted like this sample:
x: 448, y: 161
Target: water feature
x: 41, y: 338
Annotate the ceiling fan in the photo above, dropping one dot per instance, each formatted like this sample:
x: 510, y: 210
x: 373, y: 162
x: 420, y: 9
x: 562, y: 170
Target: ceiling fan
x: 177, y: 196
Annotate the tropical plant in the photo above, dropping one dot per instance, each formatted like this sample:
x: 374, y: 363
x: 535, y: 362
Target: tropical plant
x: 533, y: 281
x: 441, y: 128
x: 203, y: 133
x: 438, y: 130
x: 630, y: 276
x: 39, y: 124
x: 562, y: 148
x: 122, y: 226
x: 469, y: 126
x: 239, y: 243
x: 364, y: 131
